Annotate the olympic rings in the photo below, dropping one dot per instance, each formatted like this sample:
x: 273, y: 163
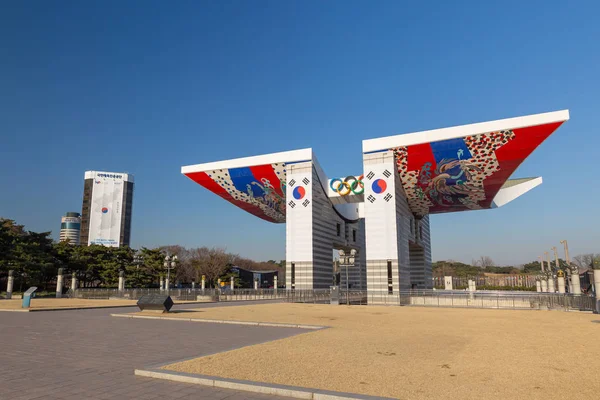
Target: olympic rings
x: 350, y: 184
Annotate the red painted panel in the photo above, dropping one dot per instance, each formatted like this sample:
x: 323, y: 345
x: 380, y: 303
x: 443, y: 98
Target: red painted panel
x: 203, y: 179
x: 266, y: 172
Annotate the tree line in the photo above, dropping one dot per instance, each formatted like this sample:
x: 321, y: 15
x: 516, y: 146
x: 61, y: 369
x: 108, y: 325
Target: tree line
x: 485, y: 264
x: 35, y: 259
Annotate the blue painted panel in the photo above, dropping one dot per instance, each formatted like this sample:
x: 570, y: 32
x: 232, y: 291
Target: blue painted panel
x: 244, y: 181
x: 451, y: 149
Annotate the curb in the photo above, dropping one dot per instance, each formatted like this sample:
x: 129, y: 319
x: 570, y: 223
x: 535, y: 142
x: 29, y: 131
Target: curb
x: 223, y: 321
x: 15, y: 310
x: 252, y: 386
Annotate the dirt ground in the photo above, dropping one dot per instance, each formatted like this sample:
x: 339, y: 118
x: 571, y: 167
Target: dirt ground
x: 38, y: 304
x: 416, y: 353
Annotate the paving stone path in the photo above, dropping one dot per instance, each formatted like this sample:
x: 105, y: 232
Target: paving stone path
x: 86, y: 354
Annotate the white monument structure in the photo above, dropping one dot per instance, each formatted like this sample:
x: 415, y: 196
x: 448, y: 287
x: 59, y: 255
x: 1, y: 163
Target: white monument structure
x: 384, y: 211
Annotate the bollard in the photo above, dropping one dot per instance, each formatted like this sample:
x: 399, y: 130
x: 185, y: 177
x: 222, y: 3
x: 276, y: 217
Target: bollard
x: 232, y: 283
x: 561, y: 281
x: 121, y: 281
x: 9, y: 285
x: 59, y: 283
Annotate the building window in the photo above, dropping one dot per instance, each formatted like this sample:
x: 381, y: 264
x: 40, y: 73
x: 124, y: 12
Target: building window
x: 390, y: 282
x: 354, y: 235
x: 339, y: 229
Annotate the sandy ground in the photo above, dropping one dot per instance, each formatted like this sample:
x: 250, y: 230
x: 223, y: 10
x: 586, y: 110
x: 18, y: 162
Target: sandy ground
x: 63, y: 303
x: 416, y: 353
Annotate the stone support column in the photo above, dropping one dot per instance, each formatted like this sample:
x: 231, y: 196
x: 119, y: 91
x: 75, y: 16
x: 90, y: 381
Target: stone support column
x: 59, y: 283
x: 10, y: 283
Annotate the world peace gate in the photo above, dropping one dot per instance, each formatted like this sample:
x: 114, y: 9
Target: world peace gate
x: 384, y: 212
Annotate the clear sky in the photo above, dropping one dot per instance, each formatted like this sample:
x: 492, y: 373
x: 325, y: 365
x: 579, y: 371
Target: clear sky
x: 148, y: 86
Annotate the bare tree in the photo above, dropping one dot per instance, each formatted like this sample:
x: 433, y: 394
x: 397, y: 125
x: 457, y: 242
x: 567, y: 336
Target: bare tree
x: 483, y: 261
x: 212, y: 262
x: 185, y: 271
x: 585, y: 261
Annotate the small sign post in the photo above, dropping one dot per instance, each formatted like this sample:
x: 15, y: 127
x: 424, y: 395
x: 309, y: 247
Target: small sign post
x: 27, y: 297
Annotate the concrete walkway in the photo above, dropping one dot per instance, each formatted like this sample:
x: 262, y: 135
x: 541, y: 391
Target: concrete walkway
x: 87, y: 354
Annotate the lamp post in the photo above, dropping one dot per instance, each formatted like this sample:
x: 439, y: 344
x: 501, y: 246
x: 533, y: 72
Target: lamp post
x: 138, y: 260
x: 573, y: 269
x: 169, y: 264
x: 347, y: 260
x: 550, y: 274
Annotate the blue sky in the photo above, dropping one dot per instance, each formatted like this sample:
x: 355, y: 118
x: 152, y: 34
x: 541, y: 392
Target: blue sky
x: 147, y: 86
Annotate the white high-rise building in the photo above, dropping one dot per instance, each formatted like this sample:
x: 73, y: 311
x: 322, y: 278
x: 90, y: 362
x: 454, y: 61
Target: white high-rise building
x: 70, y: 228
x: 106, y: 208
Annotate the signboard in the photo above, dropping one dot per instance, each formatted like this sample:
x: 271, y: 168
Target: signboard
x: 105, y: 209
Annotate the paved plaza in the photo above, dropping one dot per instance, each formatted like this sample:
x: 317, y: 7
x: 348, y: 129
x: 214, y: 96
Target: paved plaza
x: 86, y: 354
x: 415, y: 353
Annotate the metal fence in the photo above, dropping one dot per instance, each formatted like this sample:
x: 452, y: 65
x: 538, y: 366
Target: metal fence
x: 419, y: 298
x: 522, y: 282
x: 187, y: 294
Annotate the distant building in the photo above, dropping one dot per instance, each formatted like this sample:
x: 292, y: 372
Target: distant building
x: 70, y: 228
x: 106, y: 208
x: 265, y: 278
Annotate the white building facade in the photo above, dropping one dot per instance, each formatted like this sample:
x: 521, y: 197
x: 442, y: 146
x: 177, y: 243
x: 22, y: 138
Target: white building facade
x: 107, y: 208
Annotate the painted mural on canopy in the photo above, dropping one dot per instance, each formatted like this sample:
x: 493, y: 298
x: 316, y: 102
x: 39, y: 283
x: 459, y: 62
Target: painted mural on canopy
x: 464, y: 173
x: 260, y: 190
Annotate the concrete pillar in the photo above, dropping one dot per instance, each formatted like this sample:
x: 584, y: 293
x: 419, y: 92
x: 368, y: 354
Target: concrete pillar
x: 561, y: 284
x: 597, y: 282
x: 576, y: 282
x: 275, y: 283
x: 597, y: 289
x: 538, y: 286
x: 447, y: 283
x: 121, y: 281
x: 59, y: 283
x: 544, y: 284
x: 193, y: 285
x: 232, y: 283
x: 10, y: 283
x: 551, y: 288
x: 73, y: 282
x: 203, y: 282
x: 256, y: 284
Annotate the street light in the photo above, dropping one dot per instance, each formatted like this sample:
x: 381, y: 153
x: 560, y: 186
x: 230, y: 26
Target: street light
x: 556, y: 258
x: 138, y: 260
x: 574, y: 270
x: 170, y: 263
x: 347, y: 260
